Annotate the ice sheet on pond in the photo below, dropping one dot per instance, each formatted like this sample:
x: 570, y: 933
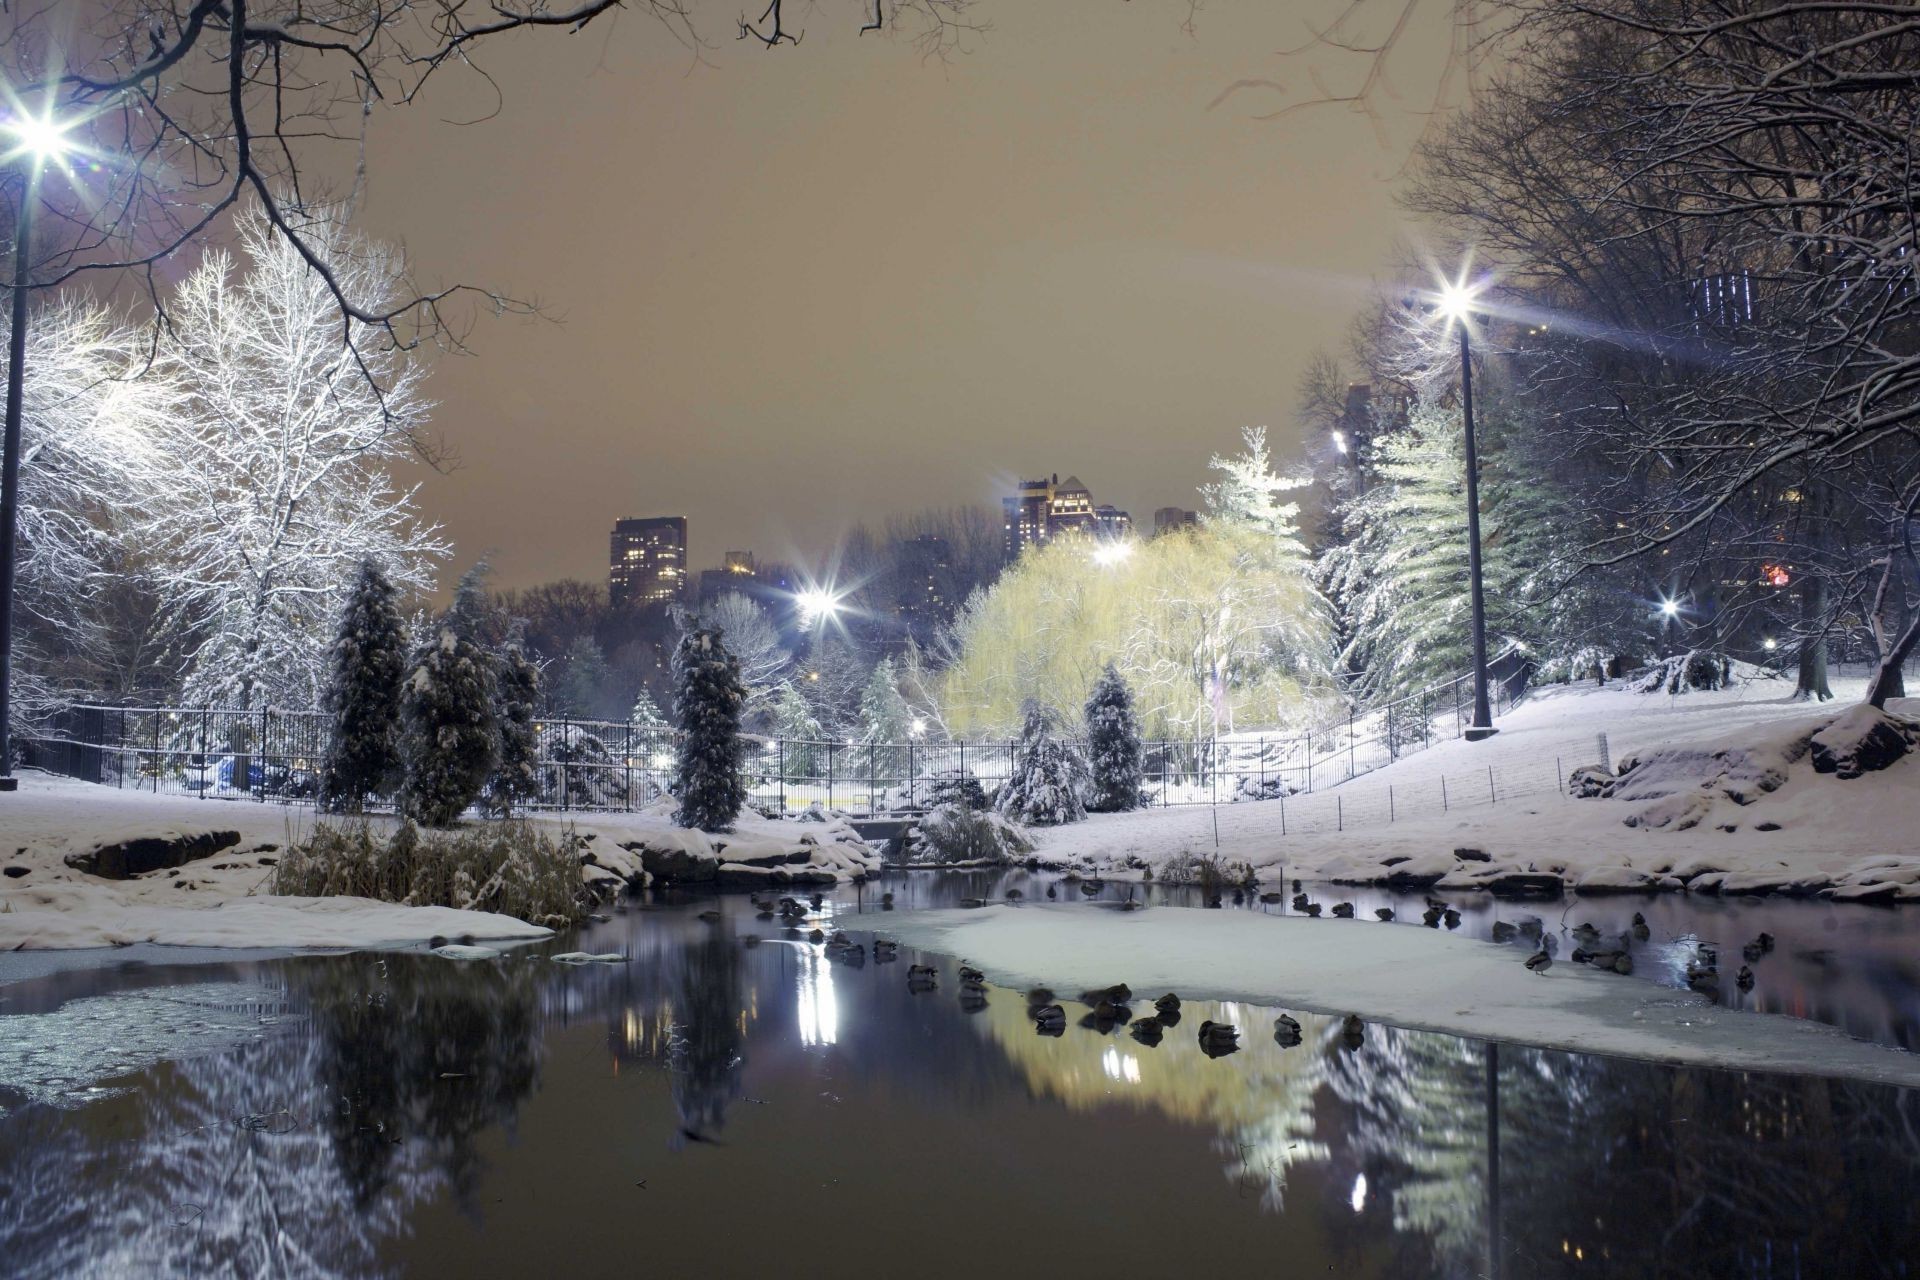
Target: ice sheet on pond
x: 1407, y: 976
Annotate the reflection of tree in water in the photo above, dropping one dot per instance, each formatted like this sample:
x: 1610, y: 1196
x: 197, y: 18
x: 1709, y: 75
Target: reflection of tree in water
x: 1417, y: 1115
x: 1260, y: 1099
x: 1646, y: 1169
x: 705, y: 1049
x: 248, y: 1163
x: 419, y: 1051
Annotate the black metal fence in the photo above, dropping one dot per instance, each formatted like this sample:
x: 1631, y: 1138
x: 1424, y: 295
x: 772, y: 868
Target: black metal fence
x: 271, y: 755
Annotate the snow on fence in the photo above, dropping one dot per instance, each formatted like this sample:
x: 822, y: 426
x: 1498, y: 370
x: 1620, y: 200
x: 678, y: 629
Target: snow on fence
x: 271, y: 755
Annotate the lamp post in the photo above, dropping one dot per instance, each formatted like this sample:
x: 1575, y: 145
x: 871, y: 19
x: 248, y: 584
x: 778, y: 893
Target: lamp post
x: 35, y: 142
x: 1456, y: 302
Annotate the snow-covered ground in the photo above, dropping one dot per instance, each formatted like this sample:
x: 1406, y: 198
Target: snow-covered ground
x: 222, y: 896
x: 1504, y: 801
x: 1410, y: 977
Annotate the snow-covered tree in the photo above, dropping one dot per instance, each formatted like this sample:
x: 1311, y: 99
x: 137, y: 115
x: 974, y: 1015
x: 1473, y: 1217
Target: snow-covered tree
x: 1214, y: 625
x: 1249, y: 492
x: 646, y: 718
x: 284, y: 449
x: 450, y: 736
x: 1049, y: 777
x: 753, y: 639
x: 516, y: 775
x: 1113, y: 745
x: 581, y: 689
x: 708, y: 698
x: 832, y: 681
x: 1403, y: 573
x: 95, y: 475
x: 885, y: 720
x: 798, y: 732
x: 362, y: 698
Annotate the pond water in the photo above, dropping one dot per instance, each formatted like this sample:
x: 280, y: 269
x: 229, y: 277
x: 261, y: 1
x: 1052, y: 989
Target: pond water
x: 723, y: 1106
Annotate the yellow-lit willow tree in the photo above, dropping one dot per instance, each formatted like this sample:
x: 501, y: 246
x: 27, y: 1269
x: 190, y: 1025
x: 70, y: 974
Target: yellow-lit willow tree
x: 1215, y: 627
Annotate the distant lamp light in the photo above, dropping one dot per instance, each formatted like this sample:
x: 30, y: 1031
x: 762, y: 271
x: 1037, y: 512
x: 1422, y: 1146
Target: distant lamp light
x: 817, y: 604
x: 918, y: 728
x: 1340, y: 441
x: 1770, y: 644
x: 1112, y: 552
x: 1775, y: 575
x: 1669, y: 608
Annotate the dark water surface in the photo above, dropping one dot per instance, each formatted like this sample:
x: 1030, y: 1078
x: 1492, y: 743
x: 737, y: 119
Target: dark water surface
x: 719, y: 1108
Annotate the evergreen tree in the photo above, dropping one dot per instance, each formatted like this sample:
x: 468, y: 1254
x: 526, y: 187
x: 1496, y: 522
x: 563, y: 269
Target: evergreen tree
x: 646, y: 719
x: 1049, y: 775
x: 516, y: 778
x: 450, y: 733
x: 708, y: 698
x: 584, y: 675
x: 1403, y: 576
x: 799, y: 732
x: 885, y: 720
x: 362, y: 697
x: 832, y: 682
x: 1113, y: 742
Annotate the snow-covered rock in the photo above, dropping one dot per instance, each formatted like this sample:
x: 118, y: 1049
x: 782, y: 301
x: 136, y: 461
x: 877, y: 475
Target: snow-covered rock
x: 649, y: 847
x: 1862, y: 739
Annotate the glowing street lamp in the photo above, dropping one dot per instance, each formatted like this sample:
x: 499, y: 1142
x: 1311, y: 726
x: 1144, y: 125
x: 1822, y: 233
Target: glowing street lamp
x: 1112, y: 552
x: 1455, y: 301
x: 31, y: 142
x: 817, y: 604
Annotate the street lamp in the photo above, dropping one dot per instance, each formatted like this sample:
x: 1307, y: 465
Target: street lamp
x: 1455, y: 302
x: 1111, y: 552
x: 32, y: 142
x: 817, y: 604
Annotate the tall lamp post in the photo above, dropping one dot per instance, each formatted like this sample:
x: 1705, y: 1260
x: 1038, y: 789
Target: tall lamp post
x: 31, y: 143
x: 1456, y: 303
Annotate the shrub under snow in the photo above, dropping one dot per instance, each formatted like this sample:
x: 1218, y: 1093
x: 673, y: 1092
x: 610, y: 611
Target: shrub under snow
x: 509, y: 867
x: 957, y: 833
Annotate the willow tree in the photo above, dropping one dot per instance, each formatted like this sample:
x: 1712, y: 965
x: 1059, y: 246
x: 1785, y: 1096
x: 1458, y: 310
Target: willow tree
x: 1213, y: 627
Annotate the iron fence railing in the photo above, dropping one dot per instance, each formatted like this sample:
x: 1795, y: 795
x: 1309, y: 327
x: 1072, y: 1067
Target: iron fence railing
x: 274, y: 755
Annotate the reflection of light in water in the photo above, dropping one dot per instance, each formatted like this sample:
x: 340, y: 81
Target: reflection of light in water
x: 1120, y: 1067
x: 819, y: 1011
x: 1359, y: 1198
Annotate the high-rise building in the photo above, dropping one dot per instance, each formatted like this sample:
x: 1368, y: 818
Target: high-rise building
x: 925, y: 581
x: 1167, y: 519
x: 1041, y: 510
x: 739, y: 573
x: 648, y: 561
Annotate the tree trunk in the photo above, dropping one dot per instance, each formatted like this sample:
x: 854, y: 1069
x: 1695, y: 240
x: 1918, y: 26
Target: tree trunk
x: 1813, y: 641
x: 1888, y: 682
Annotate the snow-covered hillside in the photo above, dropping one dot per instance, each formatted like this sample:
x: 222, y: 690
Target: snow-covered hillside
x: 1504, y: 802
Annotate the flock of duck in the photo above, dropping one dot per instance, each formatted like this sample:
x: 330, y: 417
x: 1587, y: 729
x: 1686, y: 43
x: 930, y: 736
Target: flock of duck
x: 1110, y: 1007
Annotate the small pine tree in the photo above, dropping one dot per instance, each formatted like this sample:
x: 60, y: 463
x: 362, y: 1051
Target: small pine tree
x: 1049, y: 775
x: 646, y: 717
x: 450, y: 733
x: 708, y: 698
x: 516, y: 778
x: 798, y: 731
x: 581, y: 689
x: 885, y: 720
x: 362, y: 697
x: 1113, y: 745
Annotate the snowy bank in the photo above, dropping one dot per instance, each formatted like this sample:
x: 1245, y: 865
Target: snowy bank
x: 86, y: 866
x: 90, y: 915
x: 1407, y: 976
x: 1740, y: 790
